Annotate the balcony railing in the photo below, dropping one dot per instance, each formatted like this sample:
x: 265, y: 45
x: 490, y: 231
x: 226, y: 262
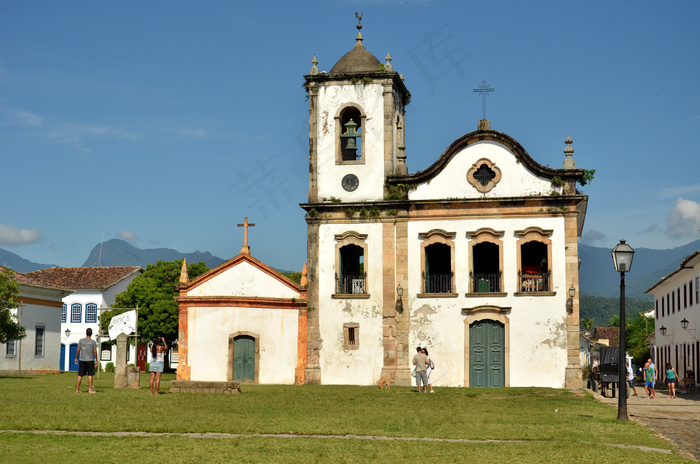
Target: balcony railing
x: 534, y: 282
x: 485, y: 283
x: 351, y: 284
x: 438, y: 283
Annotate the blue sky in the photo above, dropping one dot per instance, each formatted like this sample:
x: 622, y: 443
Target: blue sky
x: 166, y: 123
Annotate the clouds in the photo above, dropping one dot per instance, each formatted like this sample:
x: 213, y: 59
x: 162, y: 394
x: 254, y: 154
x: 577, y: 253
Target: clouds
x: 674, y: 192
x: 592, y: 236
x: 684, y: 219
x: 129, y: 236
x: 11, y: 236
x: 12, y: 117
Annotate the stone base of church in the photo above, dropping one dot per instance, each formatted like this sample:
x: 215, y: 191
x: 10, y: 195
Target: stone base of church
x: 573, y: 376
x: 194, y: 386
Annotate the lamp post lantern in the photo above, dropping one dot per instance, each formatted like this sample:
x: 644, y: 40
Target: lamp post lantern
x: 622, y: 256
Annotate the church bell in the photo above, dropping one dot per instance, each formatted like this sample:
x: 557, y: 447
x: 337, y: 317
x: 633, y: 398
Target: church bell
x: 350, y: 135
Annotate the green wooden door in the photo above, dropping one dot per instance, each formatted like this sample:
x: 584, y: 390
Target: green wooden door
x: 244, y: 359
x: 486, y: 354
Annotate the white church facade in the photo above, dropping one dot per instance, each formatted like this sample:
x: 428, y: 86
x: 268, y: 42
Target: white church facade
x: 475, y: 258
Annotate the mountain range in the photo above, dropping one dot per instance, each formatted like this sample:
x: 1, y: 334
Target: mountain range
x: 597, y: 277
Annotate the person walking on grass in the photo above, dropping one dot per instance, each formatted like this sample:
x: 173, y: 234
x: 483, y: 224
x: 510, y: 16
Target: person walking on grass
x: 630, y: 378
x: 86, y: 359
x: 158, y: 350
x: 429, y: 366
x: 420, y: 360
x: 670, y: 377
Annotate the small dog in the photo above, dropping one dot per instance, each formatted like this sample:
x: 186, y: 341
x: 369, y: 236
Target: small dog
x: 384, y: 382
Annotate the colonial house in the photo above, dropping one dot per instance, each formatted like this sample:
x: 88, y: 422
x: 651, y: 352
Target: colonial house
x: 677, y: 317
x: 40, y: 313
x: 93, y: 290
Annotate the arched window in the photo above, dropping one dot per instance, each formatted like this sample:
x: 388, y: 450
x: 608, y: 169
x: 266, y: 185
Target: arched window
x: 351, y: 275
x: 486, y: 263
x: 64, y: 313
x: 534, y: 259
x: 350, y: 265
x: 91, y: 312
x: 349, y: 125
x: 437, y: 262
x: 76, y: 310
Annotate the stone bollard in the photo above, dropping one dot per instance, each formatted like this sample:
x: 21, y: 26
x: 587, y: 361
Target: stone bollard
x: 133, y: 376
x: 120, y: 377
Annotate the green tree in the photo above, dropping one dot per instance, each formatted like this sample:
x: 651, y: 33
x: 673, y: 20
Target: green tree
x: 587, y: 323
x: 9, y: 299
x: 293, y: 276
x: 614, y: 321
x: 153, y: 292
x: 635, y: 332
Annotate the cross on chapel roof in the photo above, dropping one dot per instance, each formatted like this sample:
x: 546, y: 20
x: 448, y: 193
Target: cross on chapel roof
x: 245, y: 248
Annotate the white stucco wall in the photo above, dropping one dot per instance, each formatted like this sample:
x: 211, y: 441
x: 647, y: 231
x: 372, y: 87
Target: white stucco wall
x: 361, y: 366
x: 537, y: 323
x: 452, y: 182
x: 33, y: 316
x: 370, y: 174
x: 208, y: 345
x: 244, y: 279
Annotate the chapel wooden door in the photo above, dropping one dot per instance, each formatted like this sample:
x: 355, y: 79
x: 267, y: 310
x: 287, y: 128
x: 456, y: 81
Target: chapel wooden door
x: 244, y: 359
x: 486, y: 354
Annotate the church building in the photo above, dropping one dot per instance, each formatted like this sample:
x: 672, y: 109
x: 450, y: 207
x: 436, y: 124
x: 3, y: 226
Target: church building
x: 475, y: 257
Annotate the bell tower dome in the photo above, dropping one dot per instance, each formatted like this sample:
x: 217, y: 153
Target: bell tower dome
x: 356, y: 121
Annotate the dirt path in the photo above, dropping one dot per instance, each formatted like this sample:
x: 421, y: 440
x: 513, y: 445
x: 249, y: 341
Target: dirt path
x: 212, y: 435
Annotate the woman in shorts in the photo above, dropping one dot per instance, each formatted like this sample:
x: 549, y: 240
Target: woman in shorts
x: 670, y: 377
x: 158, y: 349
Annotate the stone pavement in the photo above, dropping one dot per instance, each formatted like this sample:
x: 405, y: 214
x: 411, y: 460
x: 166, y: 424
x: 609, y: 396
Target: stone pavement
x: 676, y: 419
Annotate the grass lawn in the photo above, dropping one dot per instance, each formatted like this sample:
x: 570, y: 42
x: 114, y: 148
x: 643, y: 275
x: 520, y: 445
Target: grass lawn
x: 549, y: 425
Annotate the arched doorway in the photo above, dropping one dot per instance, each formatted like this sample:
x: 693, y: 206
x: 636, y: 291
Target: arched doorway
x: 487, y: 354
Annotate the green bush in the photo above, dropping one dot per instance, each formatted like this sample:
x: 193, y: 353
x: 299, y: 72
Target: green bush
x: 110, y: 367
x: 146, y: 369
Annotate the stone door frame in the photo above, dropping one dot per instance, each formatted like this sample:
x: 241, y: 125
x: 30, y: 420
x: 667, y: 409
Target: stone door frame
x: 492, y: 313
x: 231, y: 338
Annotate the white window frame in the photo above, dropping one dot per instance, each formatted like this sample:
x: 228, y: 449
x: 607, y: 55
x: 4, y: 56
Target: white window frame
x: 11, y: 349
x: 91, y: 310
x: 73, y: 307
x: 39, y: 341
x: 64, y: 313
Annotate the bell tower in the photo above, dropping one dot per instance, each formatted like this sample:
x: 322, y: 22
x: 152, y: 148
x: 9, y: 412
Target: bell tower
x: 356, y: 126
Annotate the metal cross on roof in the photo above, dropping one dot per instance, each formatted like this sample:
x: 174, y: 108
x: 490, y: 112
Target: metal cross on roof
x: 483, y: 90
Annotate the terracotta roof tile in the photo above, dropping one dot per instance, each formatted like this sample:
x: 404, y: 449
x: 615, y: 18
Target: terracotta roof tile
x: 608, y: 333
x: 97, y: 278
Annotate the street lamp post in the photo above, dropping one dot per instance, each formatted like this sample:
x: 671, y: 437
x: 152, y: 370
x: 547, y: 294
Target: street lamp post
x: 622, y: 256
